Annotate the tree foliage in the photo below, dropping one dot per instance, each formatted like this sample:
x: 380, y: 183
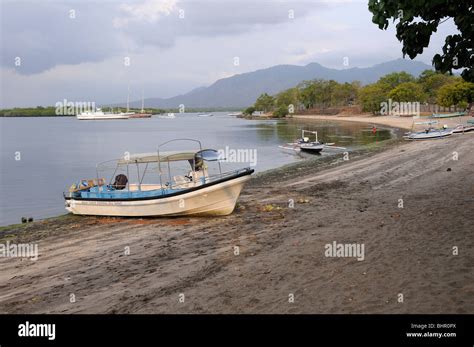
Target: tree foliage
x: 287, y: 98
x: 264, y: 103
x: 407, y: 91
x: 281, y: 111
x: 460, y: 94
x: 432, y: 81
x: 371, y: 96
x: 393, y: 79
x: 430, y: 86
x: 417, y: 20
x: 249, y: 110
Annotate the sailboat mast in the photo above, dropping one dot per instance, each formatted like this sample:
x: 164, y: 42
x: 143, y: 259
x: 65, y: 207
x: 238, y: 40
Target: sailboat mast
x: 128, y: 99
x: 143, y: 101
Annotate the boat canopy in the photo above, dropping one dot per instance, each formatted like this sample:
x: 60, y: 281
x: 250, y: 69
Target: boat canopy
x: 143, y: 158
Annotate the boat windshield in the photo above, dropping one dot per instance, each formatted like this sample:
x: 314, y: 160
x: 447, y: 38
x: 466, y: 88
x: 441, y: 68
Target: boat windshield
x: 161, y: 172
x: 166, y: 171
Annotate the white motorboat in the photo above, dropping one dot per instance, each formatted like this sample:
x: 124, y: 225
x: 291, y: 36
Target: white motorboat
x: 304, y: 144
x: 197, y: 192
x: 205, y: 115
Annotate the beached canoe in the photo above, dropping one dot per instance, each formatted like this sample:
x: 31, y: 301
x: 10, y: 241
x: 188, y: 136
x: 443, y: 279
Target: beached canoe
x: 429, y: 134
x: 448, y: 115
x: 463, y: 129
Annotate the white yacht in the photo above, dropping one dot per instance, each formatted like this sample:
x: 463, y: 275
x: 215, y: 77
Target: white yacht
x: 98, y: 114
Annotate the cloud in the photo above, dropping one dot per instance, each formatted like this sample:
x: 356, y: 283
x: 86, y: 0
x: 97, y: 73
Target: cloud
x: 82, y: 60
x: 47, y: 34
x: 149, y: 11
x: 44, y: 35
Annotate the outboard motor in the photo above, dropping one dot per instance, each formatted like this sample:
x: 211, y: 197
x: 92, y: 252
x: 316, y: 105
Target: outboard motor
x: 120, y: 182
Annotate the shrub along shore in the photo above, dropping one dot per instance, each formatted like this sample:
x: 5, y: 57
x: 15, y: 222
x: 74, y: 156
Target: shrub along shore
x: 430, y: 88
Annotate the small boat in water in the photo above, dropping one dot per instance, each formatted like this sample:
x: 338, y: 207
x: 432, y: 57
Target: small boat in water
x: 199, y: 191
x: 304, y: 144
x: 98, y: 114
x: 234, y: 114
x: 205, y: 115
x: 448, y: 115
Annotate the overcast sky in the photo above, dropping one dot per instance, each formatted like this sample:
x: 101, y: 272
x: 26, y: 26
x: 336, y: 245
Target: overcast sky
x: 78, y: 49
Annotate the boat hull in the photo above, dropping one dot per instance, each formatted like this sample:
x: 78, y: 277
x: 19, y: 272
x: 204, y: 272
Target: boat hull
x: 101, y: 117
x: 140, y: 115
x: 315, y: 149
x: 214, y: 200
x: 463, y: 129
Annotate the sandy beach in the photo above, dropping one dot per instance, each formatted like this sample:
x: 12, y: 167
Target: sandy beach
x: 192, y: 265
x: 391, y: 121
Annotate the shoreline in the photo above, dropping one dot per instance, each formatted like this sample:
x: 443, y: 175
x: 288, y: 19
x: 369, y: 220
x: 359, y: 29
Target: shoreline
x: 281, y: 249
x: 391, y: 121
x: 270, y: 173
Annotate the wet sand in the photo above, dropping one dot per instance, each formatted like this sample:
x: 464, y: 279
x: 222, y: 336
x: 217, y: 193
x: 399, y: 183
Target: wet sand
x: 408, y: 250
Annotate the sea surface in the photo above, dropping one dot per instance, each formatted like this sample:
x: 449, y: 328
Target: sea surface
x: 42, y: 157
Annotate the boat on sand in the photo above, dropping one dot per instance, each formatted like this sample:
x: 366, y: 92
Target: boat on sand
x: 429, y: 134
x: 461, y: 128
x: 201, y: 190
x: 448, y: 115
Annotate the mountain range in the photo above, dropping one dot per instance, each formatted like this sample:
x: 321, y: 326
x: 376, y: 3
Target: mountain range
x: 241, y: 90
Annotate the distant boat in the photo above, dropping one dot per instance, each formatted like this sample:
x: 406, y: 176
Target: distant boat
x: 98, y: 114
x: 205, y: 115
x: 234, y: 114
x: 167, y: 116
x: 448, y: 115
x: 142, y: 113
x: 304, y: 144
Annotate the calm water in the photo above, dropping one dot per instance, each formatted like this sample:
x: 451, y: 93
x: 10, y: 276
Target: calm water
x: 56, y: 152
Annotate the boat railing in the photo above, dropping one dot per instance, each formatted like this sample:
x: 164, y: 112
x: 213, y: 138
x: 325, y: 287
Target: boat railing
x: 224, y: 175
x: 169, y: 169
